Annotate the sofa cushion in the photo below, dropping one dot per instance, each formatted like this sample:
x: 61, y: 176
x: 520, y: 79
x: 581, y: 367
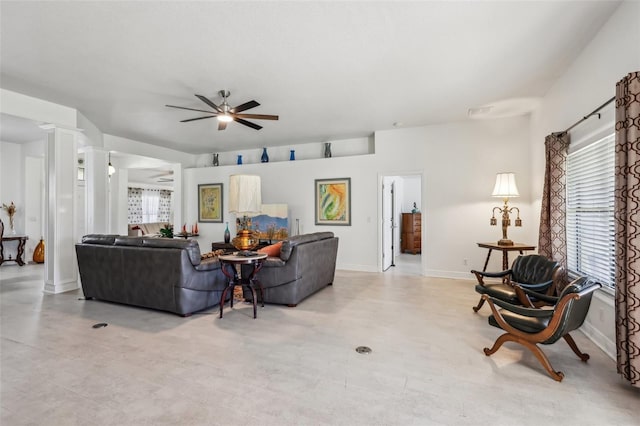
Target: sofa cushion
x: 273, y: 250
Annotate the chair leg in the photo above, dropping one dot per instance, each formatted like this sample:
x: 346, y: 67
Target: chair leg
x: 572, y: 344
x: 480, y: 303
x: 542, y: 358
x: 499, y: 342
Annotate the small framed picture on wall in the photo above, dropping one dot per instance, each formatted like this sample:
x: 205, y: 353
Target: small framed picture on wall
x: 210, y: 202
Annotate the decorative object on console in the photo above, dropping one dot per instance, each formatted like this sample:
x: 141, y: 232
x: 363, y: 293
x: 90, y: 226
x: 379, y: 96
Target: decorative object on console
x: 265, y: 156
x: 292, y: 155
x: 333, y: 201
x: 210, y: 202
x: 245, y: 198
x: 216, y: 160
x: 11, y: 211
x: 167, y: 231
x: 505, y: 188
x: 38, y: 252
x: 239, y: 159
x: 227, y: 234
x: 327, y: 150
x: 272, y: 223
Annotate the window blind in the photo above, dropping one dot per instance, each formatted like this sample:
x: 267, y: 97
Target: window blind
x: 590, y: 211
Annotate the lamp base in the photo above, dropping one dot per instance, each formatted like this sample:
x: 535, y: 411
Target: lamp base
x: 504, y: 242
x: 245, y: 240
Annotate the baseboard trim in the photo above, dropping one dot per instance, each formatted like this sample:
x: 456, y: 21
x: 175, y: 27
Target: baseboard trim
x: 51, y: 288
x: 354, y: 267
x: 435, y: 273
x: 601, y: 341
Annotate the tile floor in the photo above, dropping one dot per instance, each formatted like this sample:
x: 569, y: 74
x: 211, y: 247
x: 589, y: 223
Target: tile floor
x: 291, y: 366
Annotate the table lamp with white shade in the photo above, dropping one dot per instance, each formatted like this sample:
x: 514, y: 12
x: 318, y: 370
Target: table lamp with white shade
x: 245, y: 198
x: 505, y: 188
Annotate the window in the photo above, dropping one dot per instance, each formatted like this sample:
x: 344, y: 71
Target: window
x: 590, y: 211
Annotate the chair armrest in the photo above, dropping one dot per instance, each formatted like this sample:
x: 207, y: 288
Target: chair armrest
x: 525, y: 297
x: 480, y: 275
x: 520, y: 310
x: 492, y: 274
x: 535, y: 287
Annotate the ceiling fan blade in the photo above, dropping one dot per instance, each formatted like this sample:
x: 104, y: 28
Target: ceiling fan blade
x: 247, y: 123
x: 199, y: 118
x: 257, y: 116
x: 245, y: 106
x: 190, y: 109
x: 222, y: 125
x: 208, y: 102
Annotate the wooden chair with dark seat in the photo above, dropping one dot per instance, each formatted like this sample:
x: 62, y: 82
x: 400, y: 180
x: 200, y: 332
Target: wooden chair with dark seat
x: 532, y: 326
x: 531, y: 272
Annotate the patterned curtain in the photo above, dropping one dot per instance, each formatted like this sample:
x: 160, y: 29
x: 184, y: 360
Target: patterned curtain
x: 627, y: 226
x: 552, y: 242
x: 164, y: 210
x: 134, y: 210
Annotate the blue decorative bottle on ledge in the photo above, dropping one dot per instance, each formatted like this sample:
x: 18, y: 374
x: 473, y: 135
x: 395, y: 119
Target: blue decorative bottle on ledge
x: 265, y: 156
x: 292, y: 155
x: 239, y: 159
x: 227, y: 234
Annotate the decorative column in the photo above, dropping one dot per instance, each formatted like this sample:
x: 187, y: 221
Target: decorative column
x: 118, y: 202
x: 97, y: 186
x: 61, y: 170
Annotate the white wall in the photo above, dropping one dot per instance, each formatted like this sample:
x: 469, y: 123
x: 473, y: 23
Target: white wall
x: 459, y: 162
x: 411, y: 193
x: 589, y: 82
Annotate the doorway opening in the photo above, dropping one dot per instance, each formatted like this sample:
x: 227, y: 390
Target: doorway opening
x: 402, y: 224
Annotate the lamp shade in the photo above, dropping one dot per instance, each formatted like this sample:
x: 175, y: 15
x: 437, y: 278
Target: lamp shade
x: 245, y: 194
x: 505, y: 186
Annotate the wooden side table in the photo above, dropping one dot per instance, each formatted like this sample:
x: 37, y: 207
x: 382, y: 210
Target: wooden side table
x: 21, y: 239
x: 505, y: 252
x: 231, y: 265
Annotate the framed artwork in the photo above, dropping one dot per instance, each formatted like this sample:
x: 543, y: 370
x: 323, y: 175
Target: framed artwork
x: 333, y: 201
x: 210, y: 202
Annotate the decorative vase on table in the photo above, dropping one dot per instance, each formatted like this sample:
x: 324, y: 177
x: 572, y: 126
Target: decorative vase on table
x: 227, y: 234
x: 265, y: 156
x: 292, y: 154
x: 38, y: 253
x: 216, y: 160
x: 239, y: 159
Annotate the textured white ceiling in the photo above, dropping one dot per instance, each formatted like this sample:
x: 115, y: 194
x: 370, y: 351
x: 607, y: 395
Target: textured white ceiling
x: 331, y: 70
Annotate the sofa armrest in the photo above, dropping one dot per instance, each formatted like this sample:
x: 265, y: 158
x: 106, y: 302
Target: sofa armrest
x: 209, y: 264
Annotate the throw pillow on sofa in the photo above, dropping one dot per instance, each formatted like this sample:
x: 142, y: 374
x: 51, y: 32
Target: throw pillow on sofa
x: 273, y: 250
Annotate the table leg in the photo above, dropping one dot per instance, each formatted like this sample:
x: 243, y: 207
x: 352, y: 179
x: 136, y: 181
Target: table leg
x: 19, y: 259
x: 486, y: 262
x: 505, y: 260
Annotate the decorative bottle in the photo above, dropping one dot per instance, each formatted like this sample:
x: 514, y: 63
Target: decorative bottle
x: 38, y: 253
x: 292, y: 154
x: 216, y: 161
x: 227, y: 234
x: 327, y: 150
x: 239, y: 159
x: 265, y: 156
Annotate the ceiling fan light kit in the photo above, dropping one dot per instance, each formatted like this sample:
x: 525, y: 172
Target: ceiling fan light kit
x: 226, y: 114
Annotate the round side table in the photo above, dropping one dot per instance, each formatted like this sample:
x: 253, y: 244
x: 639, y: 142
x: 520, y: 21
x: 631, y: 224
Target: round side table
x: 231, y: 265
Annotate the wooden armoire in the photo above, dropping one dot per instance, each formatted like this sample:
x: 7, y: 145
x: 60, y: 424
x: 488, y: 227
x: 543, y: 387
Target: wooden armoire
x: 411, y: 238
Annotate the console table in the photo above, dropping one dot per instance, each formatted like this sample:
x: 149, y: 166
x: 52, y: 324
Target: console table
x: 231, y: 265
x: 21, y: 239
x: 505, y: 252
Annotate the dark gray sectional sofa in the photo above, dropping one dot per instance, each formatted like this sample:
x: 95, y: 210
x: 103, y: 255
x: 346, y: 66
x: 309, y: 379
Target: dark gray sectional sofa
x: 158, y: 273
x: 307, y: 263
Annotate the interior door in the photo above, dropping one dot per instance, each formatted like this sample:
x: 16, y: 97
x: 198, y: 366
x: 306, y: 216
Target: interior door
x: 388, y: 186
